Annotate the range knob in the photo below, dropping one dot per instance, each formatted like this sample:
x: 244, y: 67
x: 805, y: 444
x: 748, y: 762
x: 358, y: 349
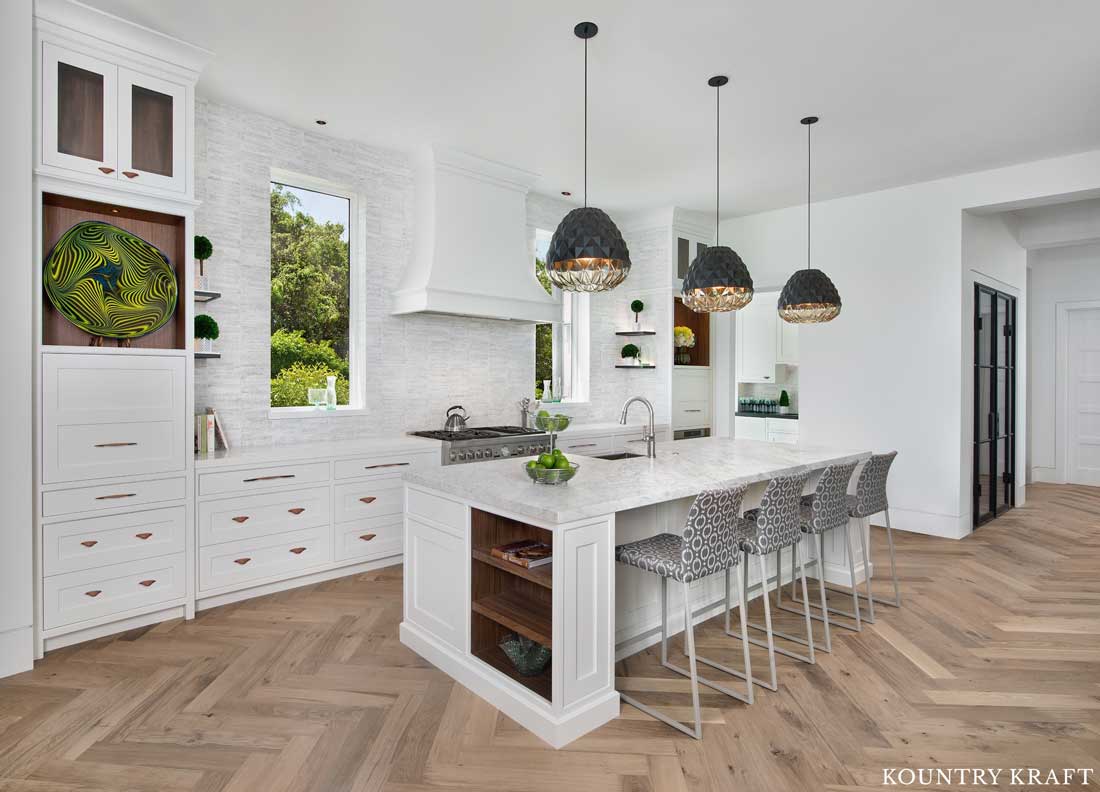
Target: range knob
x: 505, y: 451
x: 469, y: 454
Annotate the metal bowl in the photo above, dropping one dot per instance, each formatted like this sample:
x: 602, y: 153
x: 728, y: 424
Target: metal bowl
x: 552, y: 475
x: 552, y: 423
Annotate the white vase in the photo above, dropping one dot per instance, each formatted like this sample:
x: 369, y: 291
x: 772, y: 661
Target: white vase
x: 330, y: 393
x: 204, y: 345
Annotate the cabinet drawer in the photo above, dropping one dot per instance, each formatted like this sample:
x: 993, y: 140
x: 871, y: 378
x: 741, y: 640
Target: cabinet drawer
x: 374, y: 498
x: 112, y: 496
x: 259, y: 479
x: 282, y: 556
x: 102, y: 541
x: 586, y: 446
x: 379, y: 465
x: 782, y: 425
x: 448, y: 513
x: 375, y: 537
x: 749, y: 428
x: 111, y: 415
x: 233, y: 519
x: 90, y: 594
x: 690, y: 414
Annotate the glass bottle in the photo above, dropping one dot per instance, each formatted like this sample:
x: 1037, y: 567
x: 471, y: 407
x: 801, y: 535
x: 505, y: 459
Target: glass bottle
x: 330, y: 393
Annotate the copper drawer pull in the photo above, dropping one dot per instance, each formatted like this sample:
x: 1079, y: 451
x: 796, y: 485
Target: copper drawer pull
x: 105, y: 169
x: 368, y: 499
x: 296, y: 510
x: 90, y: 543
x: 297, y: 550
x: 367, y: 537
x: 146, y: 583
x: 386, y: 465
x: 129, y: 174
x: 113, y: 445
x: 115, y: 497
x: 92, y: 593
x: 241, y: 519
x: 143, y: 535
x: 269, y: 478
x: 241, y: 561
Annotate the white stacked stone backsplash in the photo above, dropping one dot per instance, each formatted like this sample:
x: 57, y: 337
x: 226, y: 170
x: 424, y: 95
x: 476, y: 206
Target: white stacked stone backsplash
x: 416, y: 366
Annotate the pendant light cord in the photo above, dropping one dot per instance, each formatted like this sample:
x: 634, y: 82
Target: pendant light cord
x: 586, y: 123
x: 717, y: 157
x: 808, y: 171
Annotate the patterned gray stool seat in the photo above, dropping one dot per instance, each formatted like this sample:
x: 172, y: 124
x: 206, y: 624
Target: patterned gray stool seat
x: 773, y: 527
x: 869, y: 500
x: 707, y: 546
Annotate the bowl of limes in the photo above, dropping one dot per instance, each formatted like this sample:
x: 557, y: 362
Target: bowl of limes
x: 551, y: 468
x: 551, y: 423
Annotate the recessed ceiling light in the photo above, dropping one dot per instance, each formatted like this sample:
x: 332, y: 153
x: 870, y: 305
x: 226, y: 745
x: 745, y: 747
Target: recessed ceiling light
x: 321, y: 122
x: 566, y: 193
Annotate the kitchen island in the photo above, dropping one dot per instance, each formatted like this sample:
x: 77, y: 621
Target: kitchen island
x: 460, y: 601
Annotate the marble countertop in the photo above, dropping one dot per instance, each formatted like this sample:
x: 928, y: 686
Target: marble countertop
x: 682, y: 469
x: 299, y: 452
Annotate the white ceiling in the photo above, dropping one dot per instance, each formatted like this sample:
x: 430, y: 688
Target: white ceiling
x: 907, y: 90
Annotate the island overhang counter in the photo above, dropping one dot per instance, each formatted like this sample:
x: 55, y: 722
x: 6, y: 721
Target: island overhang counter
x: 459, y: 601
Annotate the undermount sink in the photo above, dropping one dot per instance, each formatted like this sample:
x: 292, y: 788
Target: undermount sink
x: 621, y: 455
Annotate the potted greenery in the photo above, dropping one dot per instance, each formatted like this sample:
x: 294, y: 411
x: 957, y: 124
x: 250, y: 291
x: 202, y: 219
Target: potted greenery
x: 204, y: 249
x: 637, y: 307
x: 206, y: 330
x: 784, y: 403
x: 630, y: 351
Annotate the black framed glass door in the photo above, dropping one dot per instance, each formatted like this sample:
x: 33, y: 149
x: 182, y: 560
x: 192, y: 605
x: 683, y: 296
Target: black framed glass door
x: 994, y: 403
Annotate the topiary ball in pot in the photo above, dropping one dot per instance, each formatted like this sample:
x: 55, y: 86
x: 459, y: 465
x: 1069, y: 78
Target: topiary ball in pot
x: 206, y: 331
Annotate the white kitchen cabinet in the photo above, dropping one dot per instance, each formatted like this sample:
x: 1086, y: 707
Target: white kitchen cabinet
x: 691, y: 396
x: 786, y: 343
x: 79, y: 112
x: 749, y: 428
x: 152, y: 131
x: 757, y: 335
x: 436, y: 588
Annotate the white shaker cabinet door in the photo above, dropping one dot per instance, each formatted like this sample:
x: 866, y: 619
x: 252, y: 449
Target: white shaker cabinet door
x: 584, y: 654
x: 436, y: 568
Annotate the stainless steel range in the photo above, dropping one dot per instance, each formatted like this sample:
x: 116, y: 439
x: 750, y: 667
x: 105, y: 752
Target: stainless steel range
x: 480, y: 444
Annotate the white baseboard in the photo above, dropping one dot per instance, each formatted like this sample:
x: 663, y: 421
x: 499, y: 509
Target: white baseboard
x: 1047, y: 475
x: 948, y: 526
x: 537, y: 716
x: 216, y: 600
x: 16, y: 651
x: 112, y: 627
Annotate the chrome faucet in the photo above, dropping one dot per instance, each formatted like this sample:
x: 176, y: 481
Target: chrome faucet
x: 650, y: 436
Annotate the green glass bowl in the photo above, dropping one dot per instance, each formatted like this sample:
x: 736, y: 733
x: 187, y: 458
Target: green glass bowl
x: 552, y: 423
x: 552, y: 475
x: 528, y: 657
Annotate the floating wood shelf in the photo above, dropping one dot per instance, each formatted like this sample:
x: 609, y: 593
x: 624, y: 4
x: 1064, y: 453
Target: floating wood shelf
x: 542, y: 683
x: 646, y: 366
x: 205, y: 295
x: 635, y: 332
x: 520, y: 613
x: 540, y: 575
x: 207, y: 355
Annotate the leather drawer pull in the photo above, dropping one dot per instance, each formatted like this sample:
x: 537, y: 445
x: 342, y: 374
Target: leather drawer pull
x: 143, y: 535
x: 297, y: 550
x: 146, y: 583
x: 115, y: 497
x: 582, y: 445
x: 386, y: 465
x: 114, y: 445
x: 268, y: 478
x: 105, y: 169
x: 92, y: 593
x: 129, y: 174
x: 240, y: 519
x: 296, y: 510
x: 241, y: 561
x: 90, y: 543
x: 367, y: 537
x: 368, y: 499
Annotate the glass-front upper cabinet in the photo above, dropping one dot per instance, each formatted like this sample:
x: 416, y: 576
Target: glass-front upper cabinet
x: 79, y: 112
x: 151, y: 131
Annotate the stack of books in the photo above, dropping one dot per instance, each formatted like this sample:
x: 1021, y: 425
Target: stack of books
x: 209, y: 433
x: 525, y: 553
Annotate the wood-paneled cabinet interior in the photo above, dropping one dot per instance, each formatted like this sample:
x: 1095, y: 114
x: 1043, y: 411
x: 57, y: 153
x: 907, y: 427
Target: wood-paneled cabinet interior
x: 112, y: 122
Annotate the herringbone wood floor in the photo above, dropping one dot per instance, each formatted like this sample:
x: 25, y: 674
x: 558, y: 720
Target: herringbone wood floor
x: 993, y: 662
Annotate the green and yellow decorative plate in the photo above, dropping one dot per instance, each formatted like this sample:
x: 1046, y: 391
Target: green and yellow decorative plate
x: 108, y: 282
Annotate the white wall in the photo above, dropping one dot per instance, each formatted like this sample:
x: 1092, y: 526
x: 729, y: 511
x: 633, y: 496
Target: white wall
x: 1055, y: 276
x: 17, y: 296
x: 888, y: 373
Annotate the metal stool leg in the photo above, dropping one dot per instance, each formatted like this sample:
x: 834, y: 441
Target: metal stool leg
x: 808, y: 640
x: 852, y: 573
x: 893, y: 562
x: 824, y: 606
x: 806, y: 600
x: 866, y: 571
x: 743, y: 636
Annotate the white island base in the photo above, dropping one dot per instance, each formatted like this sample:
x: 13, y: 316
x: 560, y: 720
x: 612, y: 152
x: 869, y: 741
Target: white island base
x: 460, y: 602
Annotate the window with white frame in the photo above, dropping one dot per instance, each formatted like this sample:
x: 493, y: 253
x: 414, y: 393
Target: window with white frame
x: 561, y: 349
x: 314, y: 268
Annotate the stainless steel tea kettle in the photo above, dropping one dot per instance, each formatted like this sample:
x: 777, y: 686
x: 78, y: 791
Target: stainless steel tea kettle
x: 456, y: 419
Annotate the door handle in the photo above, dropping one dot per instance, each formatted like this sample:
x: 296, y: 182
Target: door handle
x: 90, y: 543
x: 106, y: 170
x: 114, y: 445
x: 93, y: 593
x: 297, y: 550
x: 119, y: 495
x: 146, y: 583
x: 143, y: 535
x: 386, y: 465
x: 268, y: 478
x: 296, y: 510
x: 241, y: 519
x: 241, y: 561
x: 368, y: 499
x: 130, y: 174
x: 367, y: 537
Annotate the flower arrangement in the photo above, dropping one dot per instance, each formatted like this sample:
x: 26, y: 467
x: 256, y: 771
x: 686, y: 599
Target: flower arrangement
x: 683, y: 338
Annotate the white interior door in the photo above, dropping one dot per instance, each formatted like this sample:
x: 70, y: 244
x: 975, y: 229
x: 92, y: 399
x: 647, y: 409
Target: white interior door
x: 1083, y: 398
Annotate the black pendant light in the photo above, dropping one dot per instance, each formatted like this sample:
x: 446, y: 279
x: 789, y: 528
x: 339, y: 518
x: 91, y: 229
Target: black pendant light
x: 718, y: 279
x: 587, y: 253
x: 809, y: 296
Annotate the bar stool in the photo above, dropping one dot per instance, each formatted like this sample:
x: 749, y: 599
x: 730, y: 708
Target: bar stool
x: 772, y: 527
x: 870, y: 499
x: 824, y: 511
x: 708, y: 546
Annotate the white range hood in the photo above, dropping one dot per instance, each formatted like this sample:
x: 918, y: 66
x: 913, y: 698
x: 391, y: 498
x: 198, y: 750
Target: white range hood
x: 471, y: 256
